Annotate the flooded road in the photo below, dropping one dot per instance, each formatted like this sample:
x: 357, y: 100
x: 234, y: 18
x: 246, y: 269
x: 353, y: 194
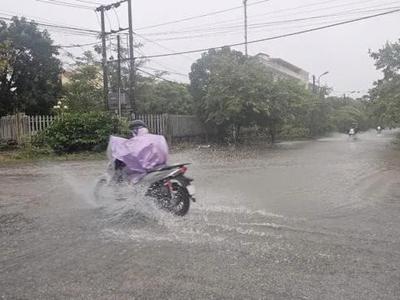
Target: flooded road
x: 301, y: 220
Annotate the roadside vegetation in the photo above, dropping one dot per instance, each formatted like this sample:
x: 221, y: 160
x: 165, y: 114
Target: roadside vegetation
x: 235, y: 97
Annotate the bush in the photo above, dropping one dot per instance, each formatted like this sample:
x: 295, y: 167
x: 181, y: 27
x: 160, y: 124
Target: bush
x: 6, y: 145
x: 292, y: 132
x: 82, y: 132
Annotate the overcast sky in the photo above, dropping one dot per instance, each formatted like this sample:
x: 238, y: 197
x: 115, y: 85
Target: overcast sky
x: 343, y: 50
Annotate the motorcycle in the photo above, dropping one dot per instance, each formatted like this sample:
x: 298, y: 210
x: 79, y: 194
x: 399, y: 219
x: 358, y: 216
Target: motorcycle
x: 352, y: 133
x: 167, y: 186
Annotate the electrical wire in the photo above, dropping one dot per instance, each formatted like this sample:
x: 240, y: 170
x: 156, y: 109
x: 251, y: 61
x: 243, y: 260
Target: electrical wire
x: 235, y: 20
x: 66, y: 4
x: 154, y: 76
x: 77, y: 45
x: 170, y: 72
x: 108, y: 20
x: 200, y: 16
x: 97, y: 18
x: 275, y: 37
x: 77, y: 30
x: 16, y: 14
x: 161, y: 46
x: 116, y: 15
x: 262, y: 26
x: 89, y: 2
x: 240, y: 24
x: 298, y: 9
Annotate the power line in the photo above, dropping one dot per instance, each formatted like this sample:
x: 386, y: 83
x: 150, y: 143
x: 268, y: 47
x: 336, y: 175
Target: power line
x: 240, y: 24
x: 274, y: 12
x: 200, y: 16
x: 236, y: 19
x: 160, y: 45
x: 233, y: 29
x: 116, y: 15
x: 276, y: 37
x: 170, y: 72
x: 66, y: 4
x: 298, y: 9
x: 108, y: 20
x: 55, y: 26
x: 97, y: 18
x: 77, y: 45
x: 155, y: 76
x: 16, y: 14
x: 88, y: 2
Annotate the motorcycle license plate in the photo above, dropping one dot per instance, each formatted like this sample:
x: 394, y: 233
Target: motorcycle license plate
x: 191, y: 189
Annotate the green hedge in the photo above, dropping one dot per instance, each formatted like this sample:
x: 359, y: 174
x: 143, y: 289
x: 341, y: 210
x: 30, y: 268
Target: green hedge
x: 82, y: 132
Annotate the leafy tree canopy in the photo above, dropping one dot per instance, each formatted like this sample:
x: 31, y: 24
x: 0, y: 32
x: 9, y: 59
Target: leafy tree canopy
x: 385, y: 95
x: 83, y: 91
x: 29, y: 68
x: 231, y: 90
x: 162, y: 96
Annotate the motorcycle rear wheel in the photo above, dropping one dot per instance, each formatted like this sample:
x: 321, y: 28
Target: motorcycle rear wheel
x: 180, y: 201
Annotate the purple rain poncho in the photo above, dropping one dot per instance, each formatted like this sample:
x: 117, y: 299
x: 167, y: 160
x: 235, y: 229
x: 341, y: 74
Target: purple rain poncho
x: 142, y: 153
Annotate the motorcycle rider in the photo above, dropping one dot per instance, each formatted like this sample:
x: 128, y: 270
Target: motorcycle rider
x: 143, y: 152
x: 352, y: 131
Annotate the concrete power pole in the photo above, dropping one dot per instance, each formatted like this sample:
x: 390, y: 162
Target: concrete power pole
x: 119, y: 74
x: 313, y: 84
x: 104, y: 56
x: 102, y: 9
x: 245, y: 26
x: 132, y: 61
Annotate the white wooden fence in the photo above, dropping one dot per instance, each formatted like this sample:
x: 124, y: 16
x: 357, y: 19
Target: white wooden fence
x: 17, y: 126
x: 157, y: 123
x: 173, y: 126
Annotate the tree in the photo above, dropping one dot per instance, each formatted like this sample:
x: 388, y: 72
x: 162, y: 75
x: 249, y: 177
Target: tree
x: 385, y: 95
x: 29, y: 69
x: 83, y: 91
x: 162, y: 96
x: 231, y: 91
x: 228, y: 90
x: 288, y: 105
x: 346, y: 112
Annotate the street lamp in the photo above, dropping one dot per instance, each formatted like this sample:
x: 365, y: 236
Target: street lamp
x: 318, y: 81
x: 319, y: 77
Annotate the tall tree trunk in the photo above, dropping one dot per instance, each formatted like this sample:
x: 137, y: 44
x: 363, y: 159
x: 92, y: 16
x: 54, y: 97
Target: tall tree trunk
x: 236, y: 133
x: 272, y: 134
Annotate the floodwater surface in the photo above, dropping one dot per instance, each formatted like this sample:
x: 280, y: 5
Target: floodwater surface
x: 299, y: 220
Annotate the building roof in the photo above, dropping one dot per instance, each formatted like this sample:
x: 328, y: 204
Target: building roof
x: 281, y: 62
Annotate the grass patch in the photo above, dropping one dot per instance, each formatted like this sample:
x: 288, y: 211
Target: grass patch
x: 39, y: 154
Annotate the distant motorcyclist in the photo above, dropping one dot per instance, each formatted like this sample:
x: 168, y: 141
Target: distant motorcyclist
x: 136, y: 156
x: 379, y: 129
x: 352, y: 131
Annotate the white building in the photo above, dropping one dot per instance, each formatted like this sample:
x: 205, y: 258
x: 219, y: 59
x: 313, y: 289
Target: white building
x: 281, y: 69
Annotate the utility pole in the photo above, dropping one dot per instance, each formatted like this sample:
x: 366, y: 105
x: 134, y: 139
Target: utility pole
x: 245, y: 27
x: 102, y: 9
x: 313, y: 84
x: 132, y: 60
x: 104, y: 55
x: 119, y: 74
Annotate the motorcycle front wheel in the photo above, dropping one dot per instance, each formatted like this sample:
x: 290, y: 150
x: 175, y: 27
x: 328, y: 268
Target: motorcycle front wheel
x: 98, y: 188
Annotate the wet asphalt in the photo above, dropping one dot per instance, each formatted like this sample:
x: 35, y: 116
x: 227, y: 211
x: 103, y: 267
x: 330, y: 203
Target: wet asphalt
x: 299, y: 220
